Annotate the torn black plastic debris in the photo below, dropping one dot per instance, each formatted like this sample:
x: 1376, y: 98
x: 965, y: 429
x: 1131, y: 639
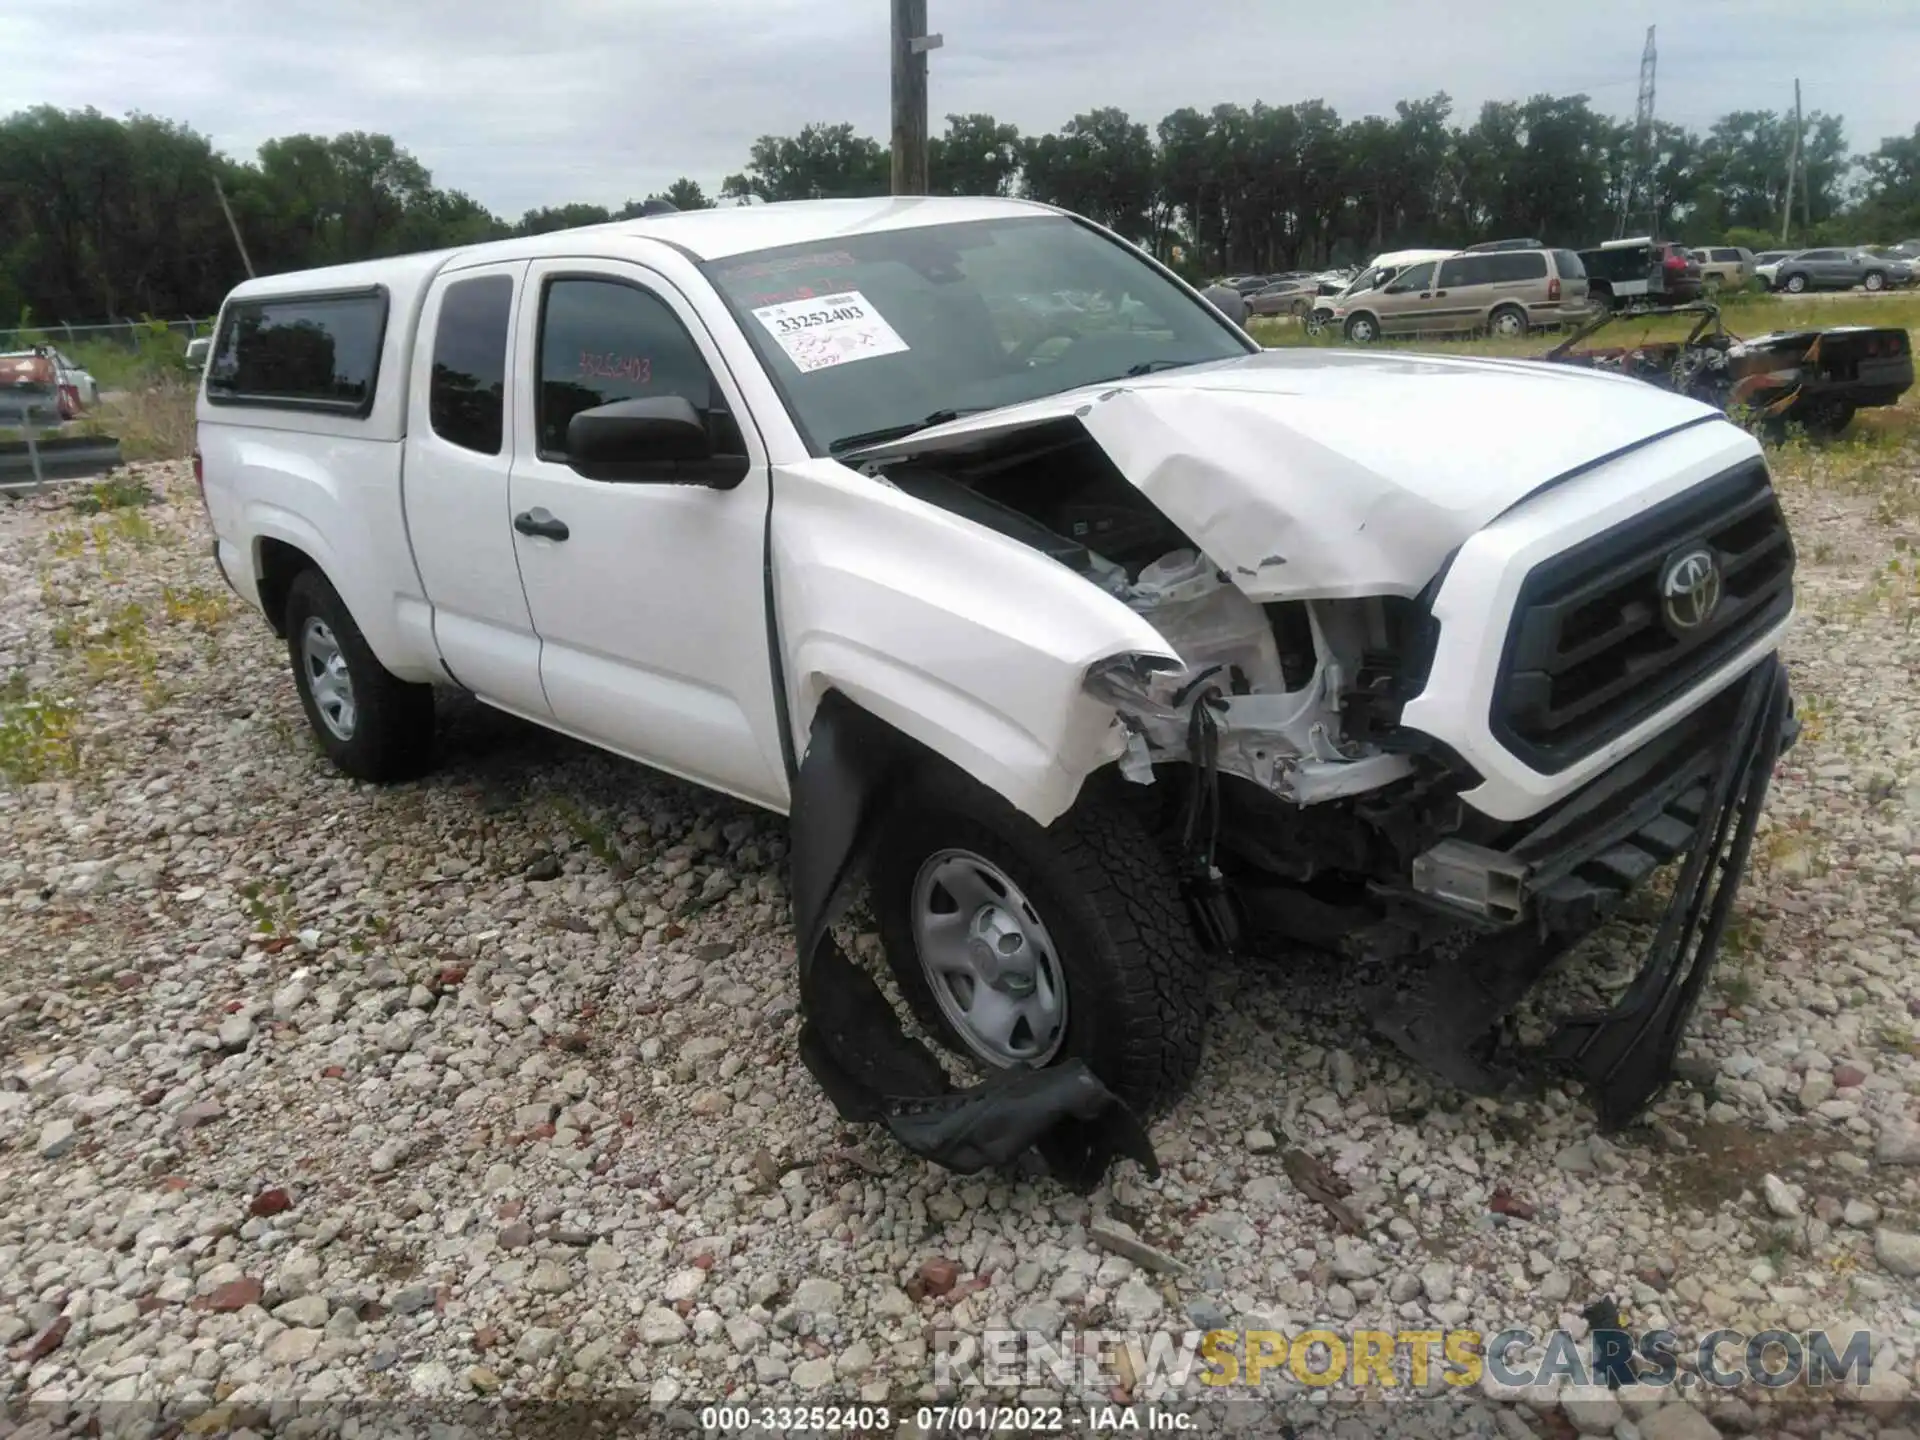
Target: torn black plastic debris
x: 851, y: 1039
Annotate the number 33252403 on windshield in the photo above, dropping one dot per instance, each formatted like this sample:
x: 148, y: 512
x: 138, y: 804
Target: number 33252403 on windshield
x: 790, y: 323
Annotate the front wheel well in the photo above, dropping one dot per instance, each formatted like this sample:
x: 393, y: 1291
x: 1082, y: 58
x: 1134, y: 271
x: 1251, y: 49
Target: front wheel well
x: 277, y: 565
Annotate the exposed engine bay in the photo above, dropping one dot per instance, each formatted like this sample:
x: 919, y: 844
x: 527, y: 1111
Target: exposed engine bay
x: 1276, y: 677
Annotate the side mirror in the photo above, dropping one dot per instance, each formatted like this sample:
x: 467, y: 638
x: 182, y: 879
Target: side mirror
x: 658, y: 440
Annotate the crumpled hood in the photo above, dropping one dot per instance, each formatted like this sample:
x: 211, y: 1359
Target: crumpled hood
x: 1320, y: 473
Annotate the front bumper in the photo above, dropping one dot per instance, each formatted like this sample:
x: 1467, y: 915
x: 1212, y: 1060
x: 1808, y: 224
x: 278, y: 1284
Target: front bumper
x: 1693, y: 795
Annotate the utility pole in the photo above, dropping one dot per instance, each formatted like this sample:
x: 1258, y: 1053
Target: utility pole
x: 1794, y: 167
x: 227, y: 210
x: 911, y: 42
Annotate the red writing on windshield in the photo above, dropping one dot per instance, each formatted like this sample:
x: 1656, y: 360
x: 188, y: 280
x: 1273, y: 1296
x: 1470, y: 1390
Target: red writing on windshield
x: 635, y: 369
x: 761, y: 269
x: 775, y: 297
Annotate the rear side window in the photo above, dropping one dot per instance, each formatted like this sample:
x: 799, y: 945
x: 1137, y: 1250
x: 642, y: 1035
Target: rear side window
x: 467, y: 396
x: 1568, y: 265
x: 312, y: 352
x: 602, y: 341
x: 1519, y: 265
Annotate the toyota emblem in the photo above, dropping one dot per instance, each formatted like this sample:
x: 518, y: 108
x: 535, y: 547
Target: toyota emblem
x: 1690, y: 589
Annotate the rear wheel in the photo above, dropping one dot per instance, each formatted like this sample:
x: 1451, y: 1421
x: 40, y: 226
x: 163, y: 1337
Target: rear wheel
x: 1875, y: 280
x: 1019, y: 945
x: 371, y: 724
x: 1600, y: 297
x: 1509, y: 322
x: 1363, y: 329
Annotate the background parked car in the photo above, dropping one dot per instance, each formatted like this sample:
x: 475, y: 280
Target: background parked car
x: 75, y: 387
x: 1724, y: 267
x: 1378, y: 272
x: 1506, y: 292
x: 1833, y: 269
x: 1767, y: 263
x: 1640, y: 271
x: 86, y: 390
x: 1289, y: 297
x: 1488, y: 245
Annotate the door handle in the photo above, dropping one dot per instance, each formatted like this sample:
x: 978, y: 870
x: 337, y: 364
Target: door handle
x: 538, y: 521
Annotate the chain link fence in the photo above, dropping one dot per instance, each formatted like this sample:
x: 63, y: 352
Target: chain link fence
x: 122, y: 333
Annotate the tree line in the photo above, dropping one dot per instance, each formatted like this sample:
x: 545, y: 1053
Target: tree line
x: 106, y: 218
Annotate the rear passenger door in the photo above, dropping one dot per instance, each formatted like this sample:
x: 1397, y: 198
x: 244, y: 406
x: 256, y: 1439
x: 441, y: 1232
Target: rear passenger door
x: 455, y: 479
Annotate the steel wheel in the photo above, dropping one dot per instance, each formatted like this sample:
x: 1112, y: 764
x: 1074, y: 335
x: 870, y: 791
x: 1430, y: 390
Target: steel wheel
x: 1509, y: 324
x: 328, y: 678
x: 1361, y: 328
x: 987, y: 958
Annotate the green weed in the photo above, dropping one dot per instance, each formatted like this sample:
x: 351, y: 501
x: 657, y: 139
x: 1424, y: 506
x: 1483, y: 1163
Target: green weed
x: 39, y: 735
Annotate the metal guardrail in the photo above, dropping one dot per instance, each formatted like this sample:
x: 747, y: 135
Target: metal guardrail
x: 61, y: 458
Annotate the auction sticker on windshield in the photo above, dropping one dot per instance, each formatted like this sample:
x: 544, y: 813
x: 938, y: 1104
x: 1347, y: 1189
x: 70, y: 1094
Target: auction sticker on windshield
x: 829, y: 330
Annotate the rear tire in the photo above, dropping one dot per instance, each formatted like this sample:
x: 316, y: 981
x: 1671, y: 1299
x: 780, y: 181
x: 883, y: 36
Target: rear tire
x: 1089, y: 912
x: 1600, y: 297
x: 371, y: 724
x: 1875, y: 280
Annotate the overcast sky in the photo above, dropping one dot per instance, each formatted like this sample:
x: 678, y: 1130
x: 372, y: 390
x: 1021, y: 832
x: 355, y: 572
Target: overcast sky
x: 523, y: 104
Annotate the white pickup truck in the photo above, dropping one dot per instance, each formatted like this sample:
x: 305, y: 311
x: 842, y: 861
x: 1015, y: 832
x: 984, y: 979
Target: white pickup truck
x: 1090, y: 636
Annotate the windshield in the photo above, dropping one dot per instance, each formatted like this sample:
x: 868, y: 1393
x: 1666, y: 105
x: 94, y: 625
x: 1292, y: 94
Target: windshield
x: 866, y: 334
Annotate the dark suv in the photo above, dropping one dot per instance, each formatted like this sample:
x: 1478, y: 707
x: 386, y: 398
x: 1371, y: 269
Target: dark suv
x: 1640, y: 272
x: 1835, y: 270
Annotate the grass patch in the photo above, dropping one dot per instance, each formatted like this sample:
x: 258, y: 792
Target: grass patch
x: 154, y: 421
x: 39, y: 737
x: 114, y: 493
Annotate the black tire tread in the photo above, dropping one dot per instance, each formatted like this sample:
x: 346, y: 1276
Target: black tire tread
x: 393, y: 731
x: 1113, y: 875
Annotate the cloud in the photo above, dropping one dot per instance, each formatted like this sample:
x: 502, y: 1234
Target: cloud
x: 523, y: 105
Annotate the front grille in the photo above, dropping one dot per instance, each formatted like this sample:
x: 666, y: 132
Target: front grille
x: 1591, y: 652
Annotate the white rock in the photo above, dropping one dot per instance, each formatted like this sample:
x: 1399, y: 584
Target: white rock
x: 1898, y: 1251
x: 660, y: 1326
x: 57, y: 1137
x: 1780, y: 1197
x: 1591, y: 1408
x: 1137, y: 1302
x: 1677, y: 1421
x: 290, y: 1347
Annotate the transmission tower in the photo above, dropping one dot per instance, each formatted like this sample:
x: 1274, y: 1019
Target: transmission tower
x: 1640, y: 167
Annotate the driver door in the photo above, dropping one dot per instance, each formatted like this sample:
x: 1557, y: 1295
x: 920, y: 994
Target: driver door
x: 649, y: 598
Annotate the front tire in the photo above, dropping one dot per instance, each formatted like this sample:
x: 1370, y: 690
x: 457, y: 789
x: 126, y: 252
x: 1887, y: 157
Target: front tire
x: 371, y: 724
x: 1509, y: 322
x: 1796, y: 285
x: 1363, y: 329
x: 1022, y: 945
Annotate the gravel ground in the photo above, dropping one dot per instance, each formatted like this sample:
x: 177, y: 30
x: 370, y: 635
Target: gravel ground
x: 487, y: 1086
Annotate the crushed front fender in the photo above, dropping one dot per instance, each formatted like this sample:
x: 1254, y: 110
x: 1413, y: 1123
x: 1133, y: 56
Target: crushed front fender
x: 1061, y: 1121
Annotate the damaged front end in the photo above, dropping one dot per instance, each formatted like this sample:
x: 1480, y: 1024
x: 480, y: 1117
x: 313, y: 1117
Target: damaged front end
x: 1277, y: 743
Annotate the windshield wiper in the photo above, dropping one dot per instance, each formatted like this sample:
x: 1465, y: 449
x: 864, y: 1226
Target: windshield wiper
x: 1147, y: 367
x: 897, y: 432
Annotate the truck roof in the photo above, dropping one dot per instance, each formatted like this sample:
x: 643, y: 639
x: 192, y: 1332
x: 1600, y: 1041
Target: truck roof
x: 708, y: 234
